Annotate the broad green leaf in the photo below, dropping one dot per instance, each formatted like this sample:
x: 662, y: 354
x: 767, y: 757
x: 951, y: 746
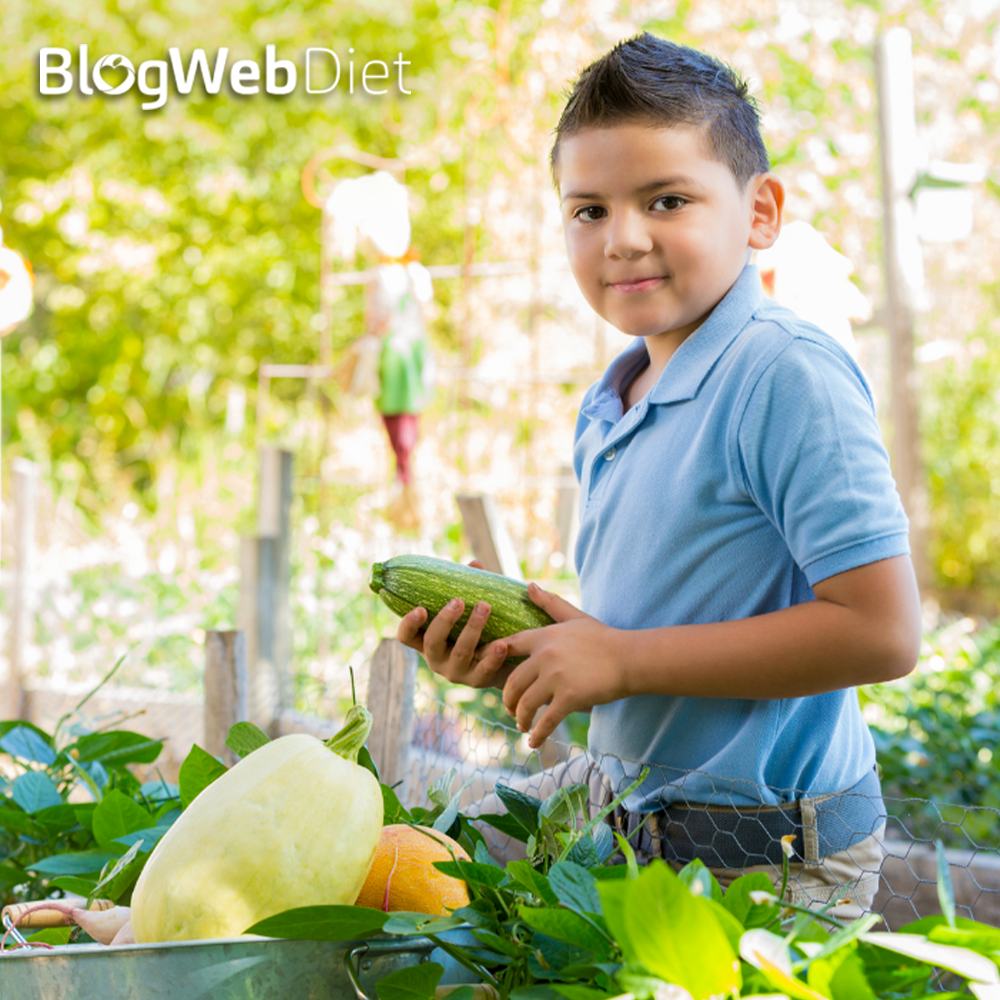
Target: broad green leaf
x: 26, y: 744
x: 675, y: 935
x: 51, y: 935
x: 146, y: 838
x: 403, y: 922
x: 501, y: 945
x: 565, y: 925
x: 34, y: 791
x: 573, y: 991
x: 11, y: 875
x: 393, y: 810
x: 584, y: 853
x: 20, y: 822
x: 575, y: 887
x: 121, y: 875
x: 737, y: 900
x: 244, y: 737
x: 539, y: 992
x: 322, y: 923
x: 366, y: 761
x: 74, y: 863
x: 523, y: 808
x: 526, y: 875
x: 472, y: 872
x: 415, y: 982
x: 549, y: 957
x: 564, y: 805
x: 116, y: 748
x: 979, y: 937
x: 700, y: 881
x: 58, y: 818
x: 159, y: 791
x: 117, y: 815
x: 507, y: 823
x: 73, y: 884
x: 197, y: 772
x: 610, y: 873
x: 841, y: 976
x: 604, y: 841
x: 973, y: 966
x: 446, y: 820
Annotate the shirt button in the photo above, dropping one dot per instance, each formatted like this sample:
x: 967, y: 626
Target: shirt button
x: 610, y: 453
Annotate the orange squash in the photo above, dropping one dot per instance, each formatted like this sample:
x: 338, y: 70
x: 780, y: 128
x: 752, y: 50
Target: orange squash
x: 403, y: 876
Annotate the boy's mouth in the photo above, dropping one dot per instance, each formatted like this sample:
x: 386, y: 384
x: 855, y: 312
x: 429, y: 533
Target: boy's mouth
x: 636, y: 284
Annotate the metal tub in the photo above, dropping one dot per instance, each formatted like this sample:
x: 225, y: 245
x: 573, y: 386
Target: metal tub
x: 246, y: 968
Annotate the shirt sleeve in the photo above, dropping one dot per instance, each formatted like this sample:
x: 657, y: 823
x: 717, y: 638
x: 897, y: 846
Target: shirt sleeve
x: 813, y: 461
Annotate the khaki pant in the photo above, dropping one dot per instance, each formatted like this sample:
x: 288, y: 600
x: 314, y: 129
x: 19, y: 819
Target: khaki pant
x: 811, y: 885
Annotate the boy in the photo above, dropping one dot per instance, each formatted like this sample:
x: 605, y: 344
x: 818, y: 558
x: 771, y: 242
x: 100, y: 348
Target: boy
x: 742, y: 553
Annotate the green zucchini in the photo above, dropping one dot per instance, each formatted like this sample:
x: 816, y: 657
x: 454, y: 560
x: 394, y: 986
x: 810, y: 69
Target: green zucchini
x: 408, y: 582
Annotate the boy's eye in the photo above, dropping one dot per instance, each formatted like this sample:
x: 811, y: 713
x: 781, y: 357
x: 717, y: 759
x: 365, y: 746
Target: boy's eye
x: 589, y: 213
x: 670, y: 202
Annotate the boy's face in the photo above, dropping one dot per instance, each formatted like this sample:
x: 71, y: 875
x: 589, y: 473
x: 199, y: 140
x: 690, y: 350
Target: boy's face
x: 657, y: 230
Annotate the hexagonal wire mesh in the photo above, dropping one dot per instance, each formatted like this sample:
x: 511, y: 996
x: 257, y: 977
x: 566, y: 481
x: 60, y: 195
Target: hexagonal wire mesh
x: 891, y: 859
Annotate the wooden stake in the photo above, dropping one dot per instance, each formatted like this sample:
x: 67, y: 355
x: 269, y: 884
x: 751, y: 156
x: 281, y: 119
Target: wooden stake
x: 226, y: 689
x: 390, y: 700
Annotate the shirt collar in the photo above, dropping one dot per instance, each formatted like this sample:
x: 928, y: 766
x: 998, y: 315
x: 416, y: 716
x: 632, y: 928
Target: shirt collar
x: 693, y: 360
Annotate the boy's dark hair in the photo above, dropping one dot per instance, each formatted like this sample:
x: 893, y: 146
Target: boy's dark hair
x: 651, y: 81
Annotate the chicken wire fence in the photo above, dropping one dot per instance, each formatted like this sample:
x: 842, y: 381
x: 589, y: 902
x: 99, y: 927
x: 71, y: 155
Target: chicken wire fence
x: 891, y: 841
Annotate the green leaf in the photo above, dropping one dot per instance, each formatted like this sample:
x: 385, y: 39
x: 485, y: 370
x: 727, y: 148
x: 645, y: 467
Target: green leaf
x: 58, y: 818
x: 841, y: 976
x: 567, y: 926
x: 244, y: 737
x: 573, y: 991
x: 11, y: 875
x: 20, y: 822
x: 117, y: 815
x: 74, y: 863
x: 392, y: 809
x: 945, y: 892
x: 575, y: 887
x: 73, y: 884
x: 700, y: 881
x: 402, y: 922
x: 550, y: 957
x: 584, y: 853
x: 526, y: 875
x: 366, y: 761
x: 322, y: 923
x: 564, y: 805
x: 122, y: 875
x: 25, y: 743
x: 472, y: 872
x: 415, y: 982
x: 197, y: 772
x: 51, y: 935
x: 117, y: 748
x: 737, y: 900
x: 159, y: 791
x: 445, y: 821
x: 675, y: 935
x: 628, y: 852
x: 523, y: 808
x: 34, y: 791
x: 507, y: 824
x: 147, y: 838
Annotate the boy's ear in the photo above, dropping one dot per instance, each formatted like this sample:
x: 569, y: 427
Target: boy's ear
x: 767, y: 200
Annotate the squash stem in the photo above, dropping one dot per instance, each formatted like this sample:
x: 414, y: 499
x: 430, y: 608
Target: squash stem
x: 349, y: 741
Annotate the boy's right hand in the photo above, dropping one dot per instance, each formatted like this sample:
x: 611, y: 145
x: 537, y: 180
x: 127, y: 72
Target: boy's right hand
x: 461, y: 662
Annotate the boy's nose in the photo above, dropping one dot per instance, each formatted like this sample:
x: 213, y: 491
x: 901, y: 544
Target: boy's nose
x: 627, y: 236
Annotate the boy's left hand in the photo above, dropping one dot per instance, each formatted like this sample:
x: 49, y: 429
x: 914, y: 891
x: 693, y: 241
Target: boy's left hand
x: 573, y: 665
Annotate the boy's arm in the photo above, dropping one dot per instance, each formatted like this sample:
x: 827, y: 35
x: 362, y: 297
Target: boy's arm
x: 863, y: 628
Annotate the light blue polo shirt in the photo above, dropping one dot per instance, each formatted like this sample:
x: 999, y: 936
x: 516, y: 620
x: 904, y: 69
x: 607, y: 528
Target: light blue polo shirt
x: 753, y: 469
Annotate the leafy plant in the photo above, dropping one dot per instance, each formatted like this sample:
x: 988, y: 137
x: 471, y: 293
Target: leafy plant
x: 73, y: 817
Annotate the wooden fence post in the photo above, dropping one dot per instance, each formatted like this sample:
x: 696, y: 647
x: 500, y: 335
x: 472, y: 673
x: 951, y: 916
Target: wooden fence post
x: 22, y: 624
x: 391, y: 682
x: 491, y: 544
x: 265, y: 583
x: 226, y: 689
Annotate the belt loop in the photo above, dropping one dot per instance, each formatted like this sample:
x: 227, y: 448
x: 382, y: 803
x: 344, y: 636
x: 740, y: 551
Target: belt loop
x: 810, y: 831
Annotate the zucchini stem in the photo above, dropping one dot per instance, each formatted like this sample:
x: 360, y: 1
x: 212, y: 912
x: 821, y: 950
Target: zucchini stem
x: 349, y: 741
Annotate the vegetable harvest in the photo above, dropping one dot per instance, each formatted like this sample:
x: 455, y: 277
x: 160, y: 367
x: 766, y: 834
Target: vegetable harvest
x: 245, y: 848
x: 406, y: 582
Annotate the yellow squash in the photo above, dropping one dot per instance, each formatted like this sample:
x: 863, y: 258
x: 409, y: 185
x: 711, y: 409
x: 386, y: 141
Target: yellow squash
x: 295, y: 823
